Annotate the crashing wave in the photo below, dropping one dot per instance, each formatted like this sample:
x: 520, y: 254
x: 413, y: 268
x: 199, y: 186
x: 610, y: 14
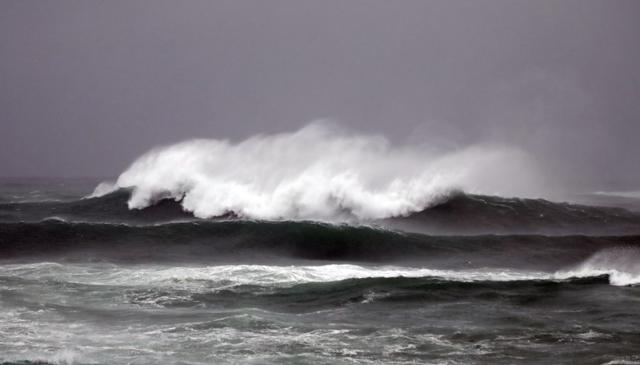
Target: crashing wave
x: 319, y: 173
x: 621, y: 270
x: 620, y: 264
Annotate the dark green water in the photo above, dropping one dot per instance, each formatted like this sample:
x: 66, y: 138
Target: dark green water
x: 90, y: 282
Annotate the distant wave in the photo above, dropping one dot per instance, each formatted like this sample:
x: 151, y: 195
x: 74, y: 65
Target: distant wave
x: 632, y: 194
x: 319, y: 173
x: 457, y: 213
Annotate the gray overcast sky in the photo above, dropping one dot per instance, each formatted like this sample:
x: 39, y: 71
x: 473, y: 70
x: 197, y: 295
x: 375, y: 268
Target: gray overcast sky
x: 87, y: 86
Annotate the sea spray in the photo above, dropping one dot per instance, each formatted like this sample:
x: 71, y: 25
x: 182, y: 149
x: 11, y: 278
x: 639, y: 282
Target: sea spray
x: 319, y: 172
x: 621, y: 264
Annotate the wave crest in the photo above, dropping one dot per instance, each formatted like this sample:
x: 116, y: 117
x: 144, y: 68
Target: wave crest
x: 319, y: 172
x: 621, y: 264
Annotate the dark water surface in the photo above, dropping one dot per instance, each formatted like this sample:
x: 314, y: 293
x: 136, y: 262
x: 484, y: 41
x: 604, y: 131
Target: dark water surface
x: 473, y: 280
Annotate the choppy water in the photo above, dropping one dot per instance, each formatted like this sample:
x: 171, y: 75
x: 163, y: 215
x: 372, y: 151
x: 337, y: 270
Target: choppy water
x: 90, y: 282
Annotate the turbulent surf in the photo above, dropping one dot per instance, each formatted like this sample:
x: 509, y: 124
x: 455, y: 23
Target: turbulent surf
x: 289, y: 260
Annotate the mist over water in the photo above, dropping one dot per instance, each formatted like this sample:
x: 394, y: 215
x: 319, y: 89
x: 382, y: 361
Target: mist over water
x: 321, y: 172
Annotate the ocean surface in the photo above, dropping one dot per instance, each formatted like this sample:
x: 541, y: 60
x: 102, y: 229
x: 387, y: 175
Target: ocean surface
x: 471, y: 279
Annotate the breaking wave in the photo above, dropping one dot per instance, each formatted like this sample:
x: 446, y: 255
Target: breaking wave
x: 319, y: 173
x: 620, y: 264
x: 257, y: 277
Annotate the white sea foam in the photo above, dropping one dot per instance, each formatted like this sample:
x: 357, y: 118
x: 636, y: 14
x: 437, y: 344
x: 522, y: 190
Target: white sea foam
x: 622, y: 265
x: 319, y: 172
x: 221, y: 276
x: 623, y: 269
x: 103, y: 188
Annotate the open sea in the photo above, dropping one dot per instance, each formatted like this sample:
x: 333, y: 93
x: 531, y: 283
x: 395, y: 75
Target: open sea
x: 470, y: 280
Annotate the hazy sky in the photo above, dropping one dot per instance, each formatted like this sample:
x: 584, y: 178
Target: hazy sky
x: 87, y: 86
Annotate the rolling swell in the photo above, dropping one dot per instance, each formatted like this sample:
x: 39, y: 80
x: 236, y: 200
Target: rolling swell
x: 110, y: 208
x: 477, y: 214
x: 317, y: 296
x: 254, y: 241
x: 457, y: 214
